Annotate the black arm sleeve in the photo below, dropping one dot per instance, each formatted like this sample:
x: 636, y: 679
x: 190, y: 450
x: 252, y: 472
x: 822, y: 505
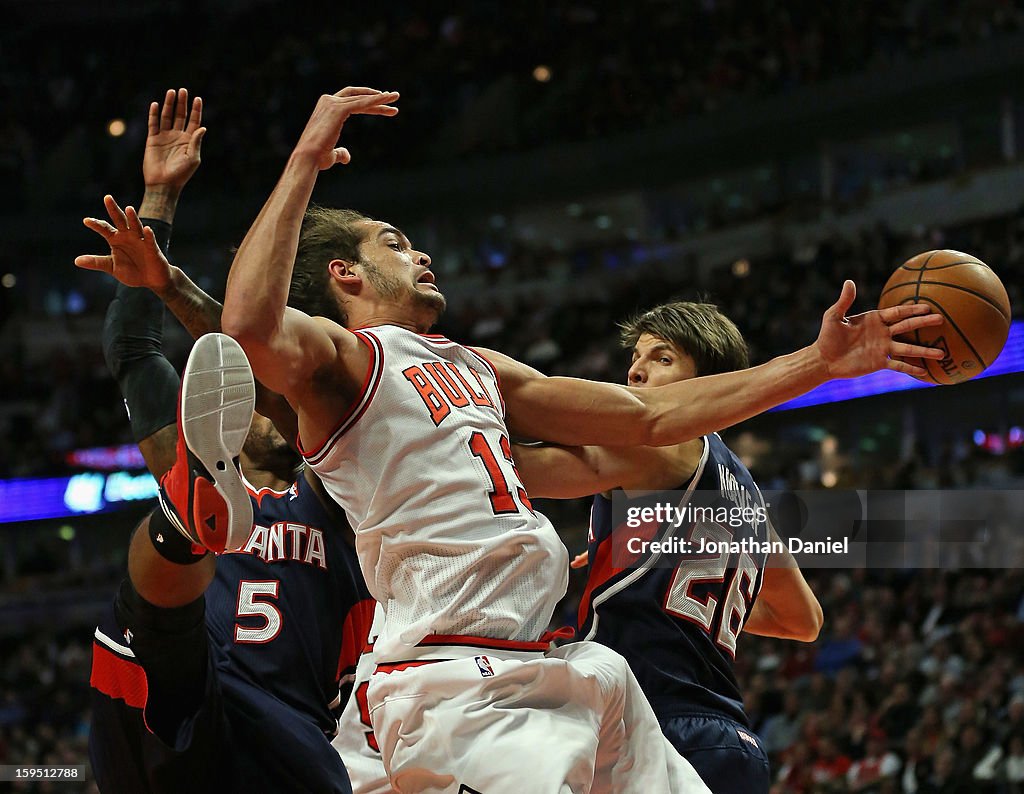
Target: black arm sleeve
x: 132, y: 346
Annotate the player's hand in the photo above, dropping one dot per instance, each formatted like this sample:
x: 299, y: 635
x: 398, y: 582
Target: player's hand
x: 580, y: 560
x: 319, y: 140
x: 134, y: 259
x: 865, y: 343
x: 174, y: 141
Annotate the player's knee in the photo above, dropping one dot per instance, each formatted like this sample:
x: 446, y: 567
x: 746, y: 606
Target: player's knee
x: 144, y: 620
x: 606, y: 667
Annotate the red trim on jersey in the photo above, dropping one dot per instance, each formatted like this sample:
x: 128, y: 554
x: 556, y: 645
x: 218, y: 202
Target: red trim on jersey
x: 601, y: 568
x: 118, y: 678
x: 355, y: 634
x: 357, y: 408
x: 399, y: 666
x: 259, y: 493
x: 600, y: 571
x: 492, y: 643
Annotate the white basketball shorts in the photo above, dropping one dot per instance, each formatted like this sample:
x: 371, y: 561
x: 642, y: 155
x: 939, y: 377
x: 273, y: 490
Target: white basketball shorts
x: 501, y: 721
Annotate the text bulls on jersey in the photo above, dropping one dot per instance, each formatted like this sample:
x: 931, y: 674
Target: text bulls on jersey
x: 443, y: 386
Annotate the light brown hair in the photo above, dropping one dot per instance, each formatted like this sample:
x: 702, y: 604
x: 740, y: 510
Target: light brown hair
x: 698, y: 329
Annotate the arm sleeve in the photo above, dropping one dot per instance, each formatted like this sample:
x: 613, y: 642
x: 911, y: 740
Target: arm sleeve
x: 132, y: 347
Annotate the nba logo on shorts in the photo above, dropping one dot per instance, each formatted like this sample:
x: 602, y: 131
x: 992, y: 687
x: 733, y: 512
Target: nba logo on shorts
x: 486, y: 671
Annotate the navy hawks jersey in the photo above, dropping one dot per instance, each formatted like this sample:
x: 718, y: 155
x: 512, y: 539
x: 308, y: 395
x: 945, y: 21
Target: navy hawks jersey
x: 286, y: 617
x: 675, y: 615
x: 289, y: 612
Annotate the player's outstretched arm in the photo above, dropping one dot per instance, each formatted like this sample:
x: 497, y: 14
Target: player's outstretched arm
x: 786, y: 607
x: 133, y: 329
x: 287, y: 347
x: 572, y: 411
x: 561, y: 472
x: 135, y: 260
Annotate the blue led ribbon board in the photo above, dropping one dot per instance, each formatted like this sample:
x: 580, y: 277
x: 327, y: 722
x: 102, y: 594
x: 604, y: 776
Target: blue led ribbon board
x: 1010, y: 360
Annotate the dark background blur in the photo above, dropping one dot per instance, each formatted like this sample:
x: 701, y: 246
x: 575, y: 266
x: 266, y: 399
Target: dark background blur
x: 565, y: 163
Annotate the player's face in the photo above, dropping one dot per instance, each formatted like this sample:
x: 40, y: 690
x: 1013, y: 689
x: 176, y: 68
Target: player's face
x: 657, y: 363
x: 399, y: 273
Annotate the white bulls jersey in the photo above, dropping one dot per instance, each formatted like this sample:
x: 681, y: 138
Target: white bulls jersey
x: 355, y: 741
x: 445, y: 534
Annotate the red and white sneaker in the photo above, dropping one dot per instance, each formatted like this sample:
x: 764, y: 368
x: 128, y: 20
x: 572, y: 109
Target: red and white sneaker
x: 203, y: 494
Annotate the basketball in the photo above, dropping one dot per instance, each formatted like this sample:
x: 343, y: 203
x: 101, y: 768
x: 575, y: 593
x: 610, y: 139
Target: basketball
x: 971, y: 298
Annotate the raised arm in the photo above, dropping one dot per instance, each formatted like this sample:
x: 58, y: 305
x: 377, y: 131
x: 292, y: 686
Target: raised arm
x: 133, y: 327
x: 572, y: 411
x: 287, y: 347
x: 173, y: 153
x: 133, y: 331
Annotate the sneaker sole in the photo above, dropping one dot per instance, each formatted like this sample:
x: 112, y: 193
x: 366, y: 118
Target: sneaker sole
x: 218, y: 396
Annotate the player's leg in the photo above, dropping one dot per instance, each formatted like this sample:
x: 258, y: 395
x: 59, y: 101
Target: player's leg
x: 205, y: 506
x: 203, y: 494
x: 157, y: 710
x: 484, y: 722
x: 722, y: 751
x: 496, y: 726
x: 632, y: 754
x: 160, y: 607
x: 162, y: 581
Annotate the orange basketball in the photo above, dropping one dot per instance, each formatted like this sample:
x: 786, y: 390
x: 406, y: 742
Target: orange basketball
x: 970, y: 297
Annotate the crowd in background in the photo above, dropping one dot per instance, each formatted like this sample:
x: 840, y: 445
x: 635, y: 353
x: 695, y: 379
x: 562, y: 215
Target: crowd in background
x: 916, y: 685
x: 476, y: 78
x: 44, y: 704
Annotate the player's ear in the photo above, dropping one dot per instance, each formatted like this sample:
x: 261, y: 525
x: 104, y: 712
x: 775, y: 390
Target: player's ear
x: 343, y: 272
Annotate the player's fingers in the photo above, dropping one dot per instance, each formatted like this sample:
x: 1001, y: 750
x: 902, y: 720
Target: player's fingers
x: 342, y: 155
x: 195, y: 118
x: 913, y: 323
x: 101, y: 228
x: 355, y: 90
x: 181, y: 109
x: 91, y: 262
x: 150, y: 237
x: 914, y: 362
x: 900, y: 365
x: 894, y: 314
x: 580, y: 560
x: 846, y: 298
x: 195, y: 143
x: 379, y: 110
x: 372, y: 100
x: 154, y: 118
x: 115, y: 212
x: 167, y: 112
x: 134, y: 224
x: 907, y: 350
